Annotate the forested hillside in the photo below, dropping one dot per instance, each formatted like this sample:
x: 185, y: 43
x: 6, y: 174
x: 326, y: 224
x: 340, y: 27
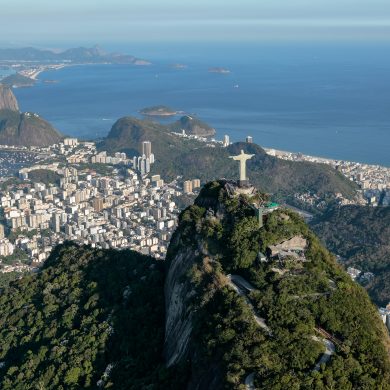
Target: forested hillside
x: 361, y: 236
x: 176, y: 156
x: 266, y: 303
x: 90, y: 319
x: 235, y: 304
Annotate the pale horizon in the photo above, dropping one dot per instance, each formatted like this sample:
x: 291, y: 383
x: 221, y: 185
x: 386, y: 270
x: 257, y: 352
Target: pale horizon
x: 49, y: 22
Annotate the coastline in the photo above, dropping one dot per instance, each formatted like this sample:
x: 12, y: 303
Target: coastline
x: 298, y: 156
x: 373, y: 180
x: 33, y: 73
x: 326, y: 157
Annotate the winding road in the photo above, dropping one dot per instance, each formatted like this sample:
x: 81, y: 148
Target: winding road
x: 243, y: 288
x: 330, y: 349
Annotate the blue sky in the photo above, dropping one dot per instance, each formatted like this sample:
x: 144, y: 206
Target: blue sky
x: 103, y: 21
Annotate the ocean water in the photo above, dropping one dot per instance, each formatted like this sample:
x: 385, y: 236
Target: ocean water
x: 330, y: 100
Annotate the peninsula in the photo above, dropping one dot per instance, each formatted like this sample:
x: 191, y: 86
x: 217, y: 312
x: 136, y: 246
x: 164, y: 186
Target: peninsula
x: 18, y: 80
x: 29, y: 62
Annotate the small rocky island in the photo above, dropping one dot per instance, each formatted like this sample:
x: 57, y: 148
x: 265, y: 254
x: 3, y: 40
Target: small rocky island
x: 219, y: 70
x: 158, y: 111
x: 179, y: 66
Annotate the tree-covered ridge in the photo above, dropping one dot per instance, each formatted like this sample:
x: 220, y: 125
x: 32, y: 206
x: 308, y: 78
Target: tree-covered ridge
x: 361, y: 236
x: 276, y: 331
x: 94, y: 318
x: 177, y: 156
x: 89, y: 319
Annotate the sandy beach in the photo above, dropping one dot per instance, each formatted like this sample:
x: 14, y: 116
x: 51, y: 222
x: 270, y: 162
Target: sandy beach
x: 33, y: 73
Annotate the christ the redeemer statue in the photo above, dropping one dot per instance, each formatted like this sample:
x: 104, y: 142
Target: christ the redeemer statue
x: 242, y: 158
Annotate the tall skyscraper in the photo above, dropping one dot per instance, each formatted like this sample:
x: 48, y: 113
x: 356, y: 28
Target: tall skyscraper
x: 147, y: 165
x: 143, y: 166
x: 249, y: 139
x: 226, y: 140
x: 147, y: 148
x: 56, y: 222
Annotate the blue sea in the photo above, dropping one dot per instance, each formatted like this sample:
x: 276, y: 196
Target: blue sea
x: 330, y: 100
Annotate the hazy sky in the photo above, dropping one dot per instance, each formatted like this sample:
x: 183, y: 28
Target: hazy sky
x: 105, y: 21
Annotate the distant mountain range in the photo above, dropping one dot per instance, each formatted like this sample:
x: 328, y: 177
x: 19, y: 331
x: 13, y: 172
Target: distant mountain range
x: 76, y: 55
x: 23, y: 129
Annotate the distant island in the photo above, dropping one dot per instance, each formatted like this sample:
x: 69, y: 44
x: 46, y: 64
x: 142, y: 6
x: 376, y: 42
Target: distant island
x: 158, y: 111
x: 29, y: 62
x: 179, y: 66
x: 219, y: 70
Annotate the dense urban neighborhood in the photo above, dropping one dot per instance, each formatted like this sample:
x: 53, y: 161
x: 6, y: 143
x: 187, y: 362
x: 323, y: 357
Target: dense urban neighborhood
x: 115, y: 206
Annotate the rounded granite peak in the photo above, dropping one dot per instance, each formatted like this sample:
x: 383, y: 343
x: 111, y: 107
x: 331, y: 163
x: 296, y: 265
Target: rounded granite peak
x: 7, y: 99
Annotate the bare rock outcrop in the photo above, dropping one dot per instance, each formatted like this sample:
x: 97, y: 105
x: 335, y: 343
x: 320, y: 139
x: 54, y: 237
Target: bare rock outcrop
x: 7, y: 99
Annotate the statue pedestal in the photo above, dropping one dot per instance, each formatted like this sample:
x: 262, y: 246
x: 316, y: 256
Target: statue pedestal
x: 244, y: 183
x: 245, y: 190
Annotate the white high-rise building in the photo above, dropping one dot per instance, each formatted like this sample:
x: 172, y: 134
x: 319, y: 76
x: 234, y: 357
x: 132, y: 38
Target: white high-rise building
x: 143, y: 166
x: 71, y: 142
x: 6, y: 248
x: 226, y: 140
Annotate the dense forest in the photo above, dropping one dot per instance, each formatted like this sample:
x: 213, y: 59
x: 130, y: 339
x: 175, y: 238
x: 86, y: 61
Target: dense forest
x: 294, y: 298
x: 44, y: 176
x: 361, y: 236
x: 89, y: 319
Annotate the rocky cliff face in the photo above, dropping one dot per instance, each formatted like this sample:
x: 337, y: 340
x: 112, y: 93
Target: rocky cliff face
x: 238, y: 316
x: 7, y: 99
x: 178, y: 292
x: 26, y: 129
